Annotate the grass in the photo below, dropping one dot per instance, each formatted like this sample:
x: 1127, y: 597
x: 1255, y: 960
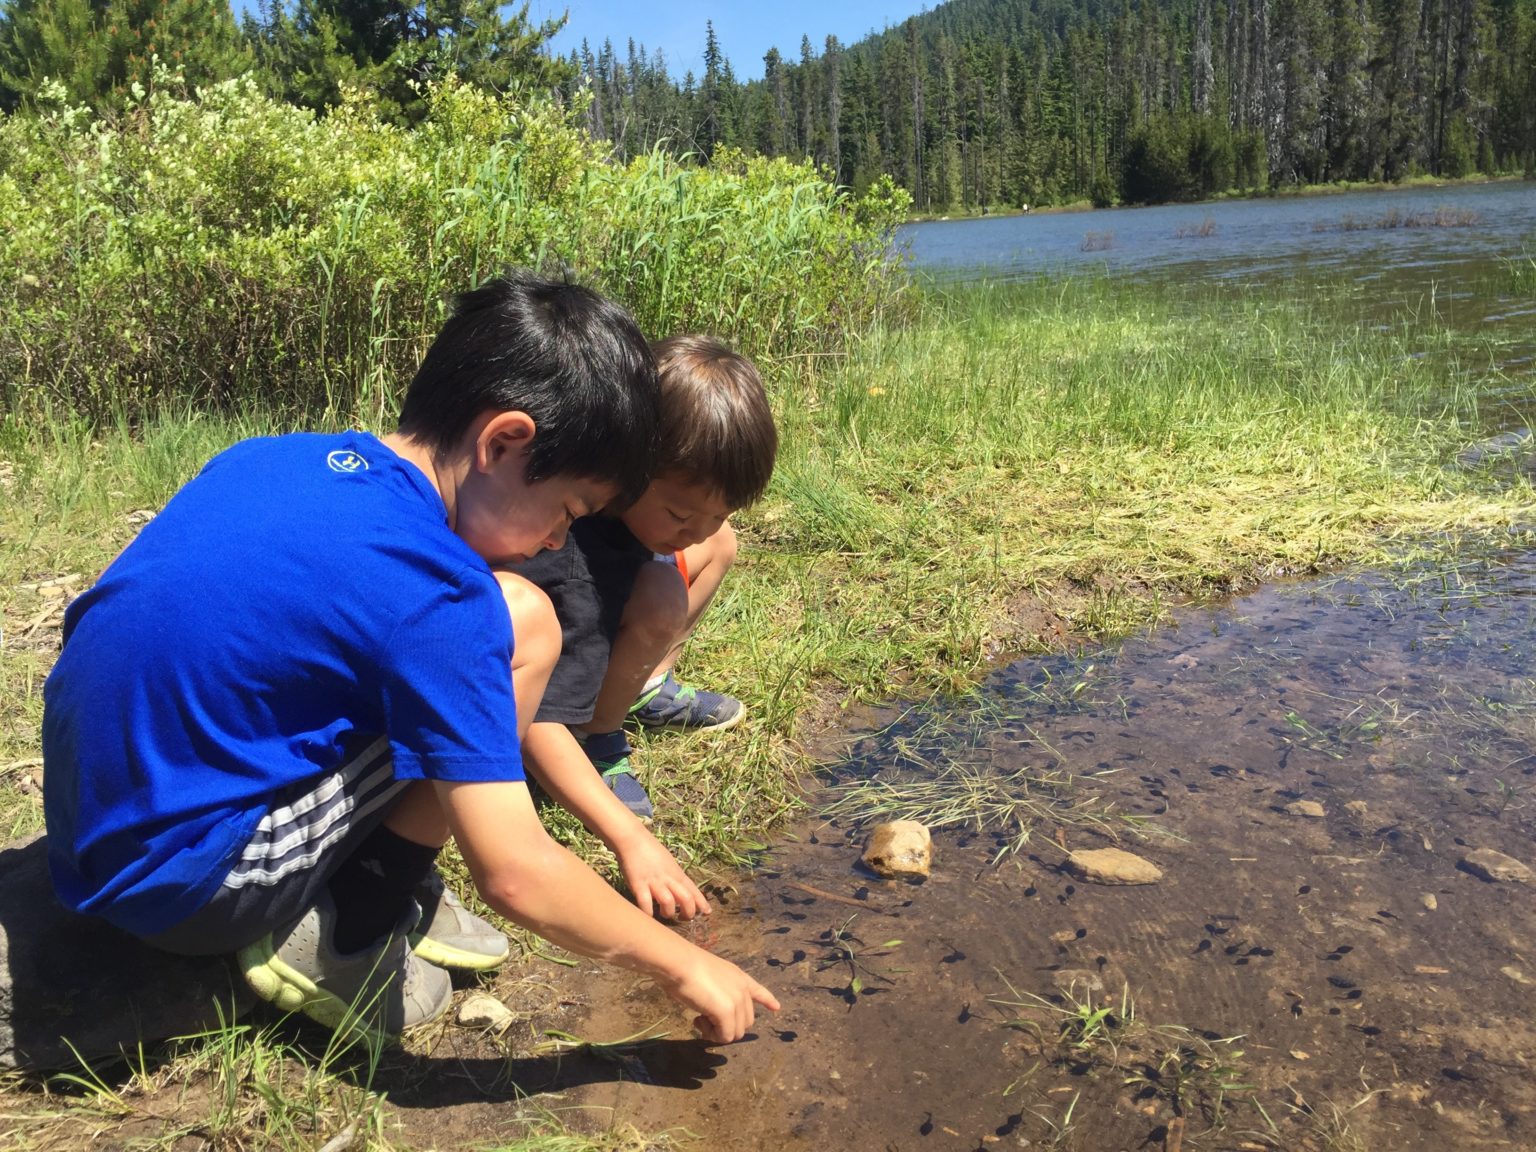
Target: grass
x: 1397, y: 218
x: 1100, y: 1037
x: 246, y: 1087
x: 1082, y: 453
x: 1520, y: 274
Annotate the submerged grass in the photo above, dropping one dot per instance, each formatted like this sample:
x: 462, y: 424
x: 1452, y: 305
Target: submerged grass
x: 1196, y: 1076
x: 1022, y: 465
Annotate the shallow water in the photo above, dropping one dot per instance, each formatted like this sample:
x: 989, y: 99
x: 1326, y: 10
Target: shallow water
x: 1295, y: 960
x: 1455, y: 272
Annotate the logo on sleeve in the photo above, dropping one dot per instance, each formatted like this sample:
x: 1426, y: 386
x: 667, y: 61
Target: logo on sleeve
x: 346, y: 462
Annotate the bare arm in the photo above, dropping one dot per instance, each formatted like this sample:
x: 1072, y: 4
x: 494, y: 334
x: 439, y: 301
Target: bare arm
x: 535, y: 882
x: 658, y: 882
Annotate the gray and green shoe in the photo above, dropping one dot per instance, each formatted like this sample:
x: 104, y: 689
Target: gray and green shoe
x: 674, y: 705
x: 450, y: 935
x: 373, y: 994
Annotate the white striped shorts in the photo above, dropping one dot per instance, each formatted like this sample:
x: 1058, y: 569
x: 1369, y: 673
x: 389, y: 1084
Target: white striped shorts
x: 309, y: 830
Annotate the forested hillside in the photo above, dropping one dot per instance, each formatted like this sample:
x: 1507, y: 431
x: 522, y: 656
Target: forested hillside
x: 975, y: 104
x: 983, y: 103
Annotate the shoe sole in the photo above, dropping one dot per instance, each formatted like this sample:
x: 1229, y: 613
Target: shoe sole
x: 723, y: 726
x: 292, y: 991
x: 459, y: 959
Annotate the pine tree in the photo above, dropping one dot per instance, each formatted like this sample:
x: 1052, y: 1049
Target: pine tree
x: 832, y: 64
x: 61, y: 40
x: 394, y: 47
x: 99, y: 49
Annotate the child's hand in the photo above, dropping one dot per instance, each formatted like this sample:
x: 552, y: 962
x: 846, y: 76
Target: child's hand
x: 722, y: 994
x: 657, y: 881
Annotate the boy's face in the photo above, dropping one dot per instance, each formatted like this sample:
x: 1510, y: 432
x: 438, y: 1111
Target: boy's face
x: 503, y: 517
x: 674, y: 514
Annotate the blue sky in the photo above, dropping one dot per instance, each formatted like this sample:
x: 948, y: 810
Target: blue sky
x: 745, y: 30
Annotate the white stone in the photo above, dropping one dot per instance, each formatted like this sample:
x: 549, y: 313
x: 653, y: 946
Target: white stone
x: 480, y: 1010
x: 1491, y: 865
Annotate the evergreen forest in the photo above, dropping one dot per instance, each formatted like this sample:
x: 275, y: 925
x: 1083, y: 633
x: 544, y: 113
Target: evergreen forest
x: 972, y: 105
x: 1009, y: 103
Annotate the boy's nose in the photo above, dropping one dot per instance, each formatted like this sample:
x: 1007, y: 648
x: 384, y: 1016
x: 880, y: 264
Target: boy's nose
x: 556, y: 539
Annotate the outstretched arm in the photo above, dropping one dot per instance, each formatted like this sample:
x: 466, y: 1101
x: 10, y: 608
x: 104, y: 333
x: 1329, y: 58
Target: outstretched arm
x: 535, y: 882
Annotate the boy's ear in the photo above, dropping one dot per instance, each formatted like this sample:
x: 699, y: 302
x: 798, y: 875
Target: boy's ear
x: 505, y: 433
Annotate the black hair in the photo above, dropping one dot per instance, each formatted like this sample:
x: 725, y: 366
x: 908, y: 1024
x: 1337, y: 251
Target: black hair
x: 716, y: 424
x: 571, y: 359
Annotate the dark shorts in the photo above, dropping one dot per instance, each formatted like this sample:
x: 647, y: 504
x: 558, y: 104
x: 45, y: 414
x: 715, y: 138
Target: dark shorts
x: 310, y: 829
x: 589, y: 582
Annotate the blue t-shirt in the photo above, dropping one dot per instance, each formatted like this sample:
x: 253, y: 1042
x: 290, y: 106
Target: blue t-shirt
x: 302, y: 588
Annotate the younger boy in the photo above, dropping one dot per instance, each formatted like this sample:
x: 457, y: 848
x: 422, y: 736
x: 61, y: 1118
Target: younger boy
x: 628, y: 588
x: 299, y: 681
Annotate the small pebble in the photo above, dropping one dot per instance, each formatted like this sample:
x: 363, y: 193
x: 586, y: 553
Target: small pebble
x: 1429, y: 901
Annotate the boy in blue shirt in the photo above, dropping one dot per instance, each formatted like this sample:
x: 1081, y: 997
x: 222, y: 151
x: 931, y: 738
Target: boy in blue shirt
x: 628, y: 587
x: 282, y: 699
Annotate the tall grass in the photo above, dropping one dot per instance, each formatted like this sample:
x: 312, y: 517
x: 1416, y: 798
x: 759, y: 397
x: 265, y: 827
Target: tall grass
x: 234, y: 252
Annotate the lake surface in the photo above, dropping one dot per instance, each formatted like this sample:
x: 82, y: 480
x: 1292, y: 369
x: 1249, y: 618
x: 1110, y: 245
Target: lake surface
x: 1247, y: 239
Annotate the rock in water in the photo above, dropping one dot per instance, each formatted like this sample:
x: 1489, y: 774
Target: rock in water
x: 1311, y: 809
x: 900, y: 848
x: 1113, y: 866
x: 1515, y: 443
x: 1490, y: 865
x: 73, y: 987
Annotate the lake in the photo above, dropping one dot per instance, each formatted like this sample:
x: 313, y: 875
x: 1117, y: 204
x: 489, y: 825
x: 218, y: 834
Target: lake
x: 1442, y: 250
x: 1427, y: 234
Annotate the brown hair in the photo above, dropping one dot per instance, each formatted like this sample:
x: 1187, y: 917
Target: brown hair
x: 716, y: 426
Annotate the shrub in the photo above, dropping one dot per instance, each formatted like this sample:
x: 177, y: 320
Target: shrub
x: 236, y: 252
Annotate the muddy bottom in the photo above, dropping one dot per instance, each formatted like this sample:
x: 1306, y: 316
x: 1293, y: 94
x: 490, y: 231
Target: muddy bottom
x: 1332, y: 981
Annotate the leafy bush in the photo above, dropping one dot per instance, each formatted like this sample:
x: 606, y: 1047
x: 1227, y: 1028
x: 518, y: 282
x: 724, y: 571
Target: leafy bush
x: 237, y: 252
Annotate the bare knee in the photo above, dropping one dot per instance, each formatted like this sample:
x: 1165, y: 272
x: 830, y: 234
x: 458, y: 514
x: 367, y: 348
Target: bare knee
x: 718, y: 551
x: 535, y: 628
x: 657, y: 608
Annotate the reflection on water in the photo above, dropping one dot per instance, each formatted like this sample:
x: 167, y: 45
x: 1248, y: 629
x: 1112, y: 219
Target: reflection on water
x: 1430, y: 674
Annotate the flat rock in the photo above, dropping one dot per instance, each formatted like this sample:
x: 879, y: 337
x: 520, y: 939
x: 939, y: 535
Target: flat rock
x: 482, y: 1010
x: 75, y: 985
x: 900, y: 848
x: 1310, y: 809
x: 1113, y: 866
x: 1490, y: 865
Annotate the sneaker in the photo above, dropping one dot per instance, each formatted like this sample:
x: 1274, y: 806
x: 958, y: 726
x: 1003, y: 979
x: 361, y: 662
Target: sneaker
x: 450, y: 935
x: 609, y: 753
x: 674, y: 705
x: 375, y: 993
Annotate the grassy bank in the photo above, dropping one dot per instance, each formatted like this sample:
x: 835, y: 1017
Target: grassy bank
x: 1022, y: 466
